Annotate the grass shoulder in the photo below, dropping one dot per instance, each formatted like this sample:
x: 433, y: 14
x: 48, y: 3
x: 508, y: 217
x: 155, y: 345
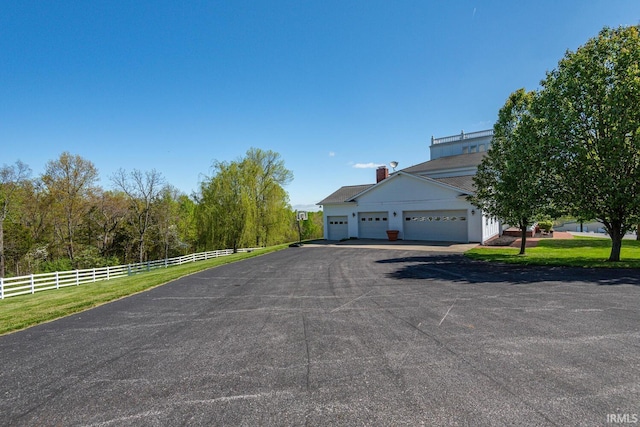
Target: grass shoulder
x: 587, y: 252
x: 23, y: 311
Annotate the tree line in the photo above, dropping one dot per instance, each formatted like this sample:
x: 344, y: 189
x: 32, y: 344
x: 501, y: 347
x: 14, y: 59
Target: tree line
x: 63, y: 220
x: 573, y: 146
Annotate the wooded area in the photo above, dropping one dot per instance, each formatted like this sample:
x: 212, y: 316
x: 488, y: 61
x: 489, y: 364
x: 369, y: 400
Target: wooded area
x: 63, y: 220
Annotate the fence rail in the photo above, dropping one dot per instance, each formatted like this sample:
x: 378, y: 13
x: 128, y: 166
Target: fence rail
x: 21, y: 285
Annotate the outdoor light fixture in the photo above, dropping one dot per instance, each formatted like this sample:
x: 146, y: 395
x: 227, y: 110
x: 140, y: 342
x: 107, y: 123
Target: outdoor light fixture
x: 473, y: 211
x: 353, y: 214
x: 394, y: 214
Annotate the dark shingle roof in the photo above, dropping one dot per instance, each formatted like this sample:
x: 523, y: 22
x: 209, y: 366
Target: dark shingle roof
x: 448, y: 162
x: 461, y: 182
x: 343, y: 194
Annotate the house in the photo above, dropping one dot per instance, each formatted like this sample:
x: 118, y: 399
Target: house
x: 426, y: 201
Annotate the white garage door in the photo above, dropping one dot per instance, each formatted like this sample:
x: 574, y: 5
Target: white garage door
x: 442, y: 226
x: 338, y: 227
x: 373, y: 225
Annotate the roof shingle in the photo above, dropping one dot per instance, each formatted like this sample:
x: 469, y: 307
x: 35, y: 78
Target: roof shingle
x: 449, y: 162
x: 343, y: 194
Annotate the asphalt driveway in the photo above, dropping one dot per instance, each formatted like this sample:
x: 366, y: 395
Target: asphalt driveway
x: 326, y: 335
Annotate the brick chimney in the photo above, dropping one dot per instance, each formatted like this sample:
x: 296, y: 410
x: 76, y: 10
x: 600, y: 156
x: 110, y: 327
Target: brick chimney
x: 381, y: 173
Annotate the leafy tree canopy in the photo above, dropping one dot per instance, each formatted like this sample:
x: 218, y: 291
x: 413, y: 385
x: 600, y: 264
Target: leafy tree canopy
x: 589, y: 108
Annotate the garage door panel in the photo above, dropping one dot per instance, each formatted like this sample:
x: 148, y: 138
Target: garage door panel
x: 444, y: 226
x: 373, y: 225
x: 338, y: 227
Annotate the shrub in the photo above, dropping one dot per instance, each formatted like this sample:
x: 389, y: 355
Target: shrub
x: 545, y: 225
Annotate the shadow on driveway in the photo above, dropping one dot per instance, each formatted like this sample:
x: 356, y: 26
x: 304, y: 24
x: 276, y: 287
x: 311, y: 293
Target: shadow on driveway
x: 458, y: 268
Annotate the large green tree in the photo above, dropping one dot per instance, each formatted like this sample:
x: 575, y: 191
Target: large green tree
x: 590, y: 109
x: 510, y: 181
x: 70, y: 181
x: 266, y: 176
x: 223, y: 208
x: 12, y: 178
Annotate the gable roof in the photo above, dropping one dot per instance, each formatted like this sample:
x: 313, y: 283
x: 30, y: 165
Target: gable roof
x: 449, y: 162
x: 462, y: 182
x: 344, y: 194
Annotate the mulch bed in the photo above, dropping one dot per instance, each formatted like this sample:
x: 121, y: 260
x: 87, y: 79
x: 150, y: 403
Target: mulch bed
x: 532, y: 242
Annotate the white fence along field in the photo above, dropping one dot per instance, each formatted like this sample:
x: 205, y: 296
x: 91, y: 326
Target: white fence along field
x: 21, y: 285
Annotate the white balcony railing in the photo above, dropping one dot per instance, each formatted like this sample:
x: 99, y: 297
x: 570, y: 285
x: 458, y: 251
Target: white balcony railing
x: 462, y: 136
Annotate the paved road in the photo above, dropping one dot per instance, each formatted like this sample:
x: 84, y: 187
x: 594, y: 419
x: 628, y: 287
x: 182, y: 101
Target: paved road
x: 340, y: 336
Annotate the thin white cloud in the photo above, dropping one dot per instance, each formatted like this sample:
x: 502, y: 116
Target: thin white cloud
x: 332, y: 154
x: 366, y: 165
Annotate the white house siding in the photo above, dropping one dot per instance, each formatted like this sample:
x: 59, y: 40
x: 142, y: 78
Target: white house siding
x: 406, y: 188
x: 473, y: 142
x: 406, y: 193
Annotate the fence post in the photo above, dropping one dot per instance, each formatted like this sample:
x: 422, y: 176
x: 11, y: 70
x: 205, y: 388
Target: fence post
x: 94, y: 274
x: 77, y: 277
x: 57, y: 280
x: 129, y: 270
x: 1, y: 288
x: 33, y: 285
x: 107, y: 272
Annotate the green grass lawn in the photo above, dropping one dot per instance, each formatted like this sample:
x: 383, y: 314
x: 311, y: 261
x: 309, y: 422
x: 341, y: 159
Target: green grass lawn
x: 27, y: 310
x: 576, y: 252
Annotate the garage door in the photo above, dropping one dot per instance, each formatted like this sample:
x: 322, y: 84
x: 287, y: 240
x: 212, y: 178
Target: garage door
x: 338, y: 227
x: 442, y: 226
x: 373, y: 225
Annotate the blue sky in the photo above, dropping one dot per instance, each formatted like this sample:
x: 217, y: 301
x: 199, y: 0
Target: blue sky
x: 335, y: 87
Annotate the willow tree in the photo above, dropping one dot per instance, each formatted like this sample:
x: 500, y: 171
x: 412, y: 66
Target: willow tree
x: 589, y: 106
x: 266, y: 177
x: 223, y: 207
x: 244, y: 202
x: 511, y: 180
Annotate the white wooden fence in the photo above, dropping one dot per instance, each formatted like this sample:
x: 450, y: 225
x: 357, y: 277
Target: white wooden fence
x: 13, y: 286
